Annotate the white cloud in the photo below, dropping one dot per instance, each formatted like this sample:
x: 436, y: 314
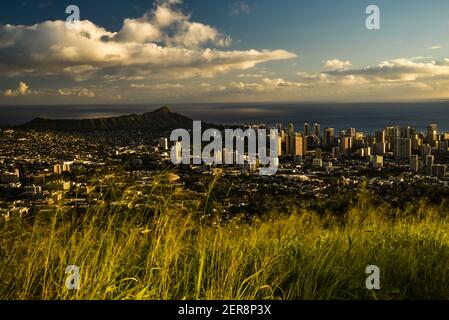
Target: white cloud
x: 167, y: 25
x: 164, y: 15
x: 250, y: 75
x: 164, y: 44
x: 138, y: 30
x: 336, y: 64
x: 266, y: 84
x: 421, y: 58
x: 24, y: 90
x: 435, y: 47
x: 75, y: 92
x: 159, y: 86
x: 398, y: 70
x: 21, y: 90
x: 194, y: 34
x: 396, y: 79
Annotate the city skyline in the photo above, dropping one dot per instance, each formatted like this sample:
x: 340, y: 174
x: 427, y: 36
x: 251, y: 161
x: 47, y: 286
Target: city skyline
x: 217, y: 158
x: 172, y: 51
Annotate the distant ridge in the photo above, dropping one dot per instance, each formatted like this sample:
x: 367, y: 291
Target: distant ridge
x: 159, y: 120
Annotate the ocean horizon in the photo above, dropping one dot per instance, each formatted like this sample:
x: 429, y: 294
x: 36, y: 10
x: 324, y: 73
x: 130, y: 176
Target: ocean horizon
x: 365, y: 117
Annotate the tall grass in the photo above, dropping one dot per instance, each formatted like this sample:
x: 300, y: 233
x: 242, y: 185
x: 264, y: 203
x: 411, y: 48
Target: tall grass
x: 173, y: 253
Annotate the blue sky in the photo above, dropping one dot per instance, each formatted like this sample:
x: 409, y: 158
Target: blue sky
x: 317, y: 51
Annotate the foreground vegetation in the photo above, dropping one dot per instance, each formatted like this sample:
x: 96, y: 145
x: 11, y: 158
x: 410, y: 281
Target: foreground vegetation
x: 169, y: 251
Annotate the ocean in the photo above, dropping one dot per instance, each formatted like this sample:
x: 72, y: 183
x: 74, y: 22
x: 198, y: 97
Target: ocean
x: 366, y: 117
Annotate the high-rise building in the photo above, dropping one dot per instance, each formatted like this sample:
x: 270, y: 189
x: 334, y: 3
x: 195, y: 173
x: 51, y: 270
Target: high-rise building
x: 318, y: 153
x: 328, y: 167
x: 415, y: 142
x: 177, y: 152
x: 335, y: 152
x: 380, y: 136
x: 421, y: 138
x: 351, y: 132
x: 66, y: 166
x: 300, y: 148
x: 368, y: 151
x: 396, y: 132
x: 380, y: 148
x: 402, y: 148
x: 279, y: 127
x: 288, y: 145
x: 414, y: 163
x: 279, y: 147
x: 249, y: 167
x: 317, y: 130
x: 439, y: 170
x: 361, y: 152
x: 329, y: 136
x: 359, y: 141
x: 389, y: 132
x: 444, y: 146
x: 436, y: 144
x: 364, y: 152
x: 426, y: 150
x: 345, y: 146
x: 371, y: 141
x: 163, y: 143
x: 57, y: 169
x: 405, y: 132
x: 291, y: 129
x: 282, y: 135
x: 231, y: 156
x: 218, y: 156
x: 304, y: 146
x: 296, y: 145
x: 226, y: 156
x: 306, y: 129
x: 430, y: 159
x: 432, y: 132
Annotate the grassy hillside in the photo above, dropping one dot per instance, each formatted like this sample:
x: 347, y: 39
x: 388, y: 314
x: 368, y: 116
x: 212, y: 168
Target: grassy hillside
x: 175, y: 253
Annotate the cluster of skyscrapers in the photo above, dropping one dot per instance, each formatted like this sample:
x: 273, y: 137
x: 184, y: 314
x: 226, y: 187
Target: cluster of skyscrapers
x: 403, y: 145
x: 399, y: 143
